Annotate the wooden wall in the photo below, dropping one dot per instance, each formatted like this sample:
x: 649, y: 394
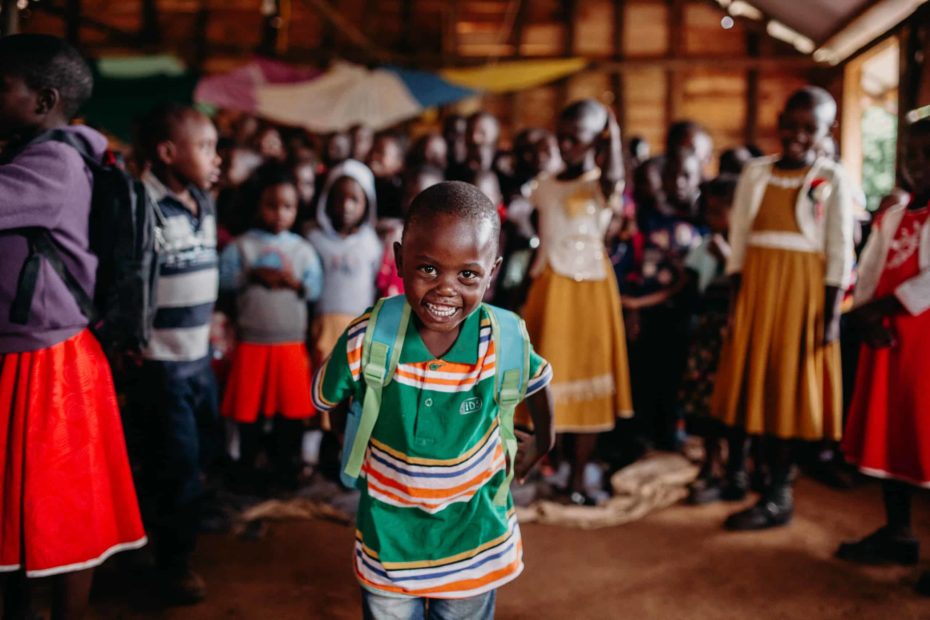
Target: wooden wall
x: 655, y: 60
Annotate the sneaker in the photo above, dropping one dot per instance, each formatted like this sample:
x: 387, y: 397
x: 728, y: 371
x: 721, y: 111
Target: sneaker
x: 773, y: 510
x: 704, y: 491
x: 735, y: 488
x: 881, y: 547
x: 183, y: 586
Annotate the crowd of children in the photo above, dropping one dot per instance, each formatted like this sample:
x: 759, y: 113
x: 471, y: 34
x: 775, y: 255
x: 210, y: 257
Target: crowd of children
x: 655, y: 301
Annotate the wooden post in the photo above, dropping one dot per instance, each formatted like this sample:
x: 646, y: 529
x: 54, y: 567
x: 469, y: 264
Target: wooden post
x: 9, y: 17
x: 408, y: 32
x: 674, y: 80
x: 150, y: 31
x: 270, y: 22
x: 616, y: 79
x: 200, y: 36
x: 73, y: 22
x: 516, y: 41
x: 570, y: 11
x: 751, y: 124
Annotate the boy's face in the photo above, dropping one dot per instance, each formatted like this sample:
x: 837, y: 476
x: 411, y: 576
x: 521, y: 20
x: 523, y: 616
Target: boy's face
x: 436, y: 152
x: 683, y: 179
x: 277, y: 208
x: 916, y: 166
x: 20, y: 106
x: 305, y: 176
x: 446, y: 263
x: 546, y: 155
x: 191, y: 152
x: 576, y: 139
x: 386, y: 158
x: 338, y: 148
x: 801, y: 131
x: 482, y: 135
x: 346, y: 204
x: 362, y: 139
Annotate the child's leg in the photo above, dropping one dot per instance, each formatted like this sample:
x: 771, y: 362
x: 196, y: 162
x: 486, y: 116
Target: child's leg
x: 17, y: 596
x: 897, y: 499
x: 71, y: 594
x: 287, y: 458
x: 379, y: 607
x: 479, y: 607
x: 776, y: 506
x: 893, y: 542
x: 250, y: 444
x: 585, y: 443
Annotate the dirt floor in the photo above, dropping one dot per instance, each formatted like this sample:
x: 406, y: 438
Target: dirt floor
x: 676, y: 563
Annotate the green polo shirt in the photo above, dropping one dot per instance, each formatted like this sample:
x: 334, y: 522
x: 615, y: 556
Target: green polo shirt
x: 427, y: 522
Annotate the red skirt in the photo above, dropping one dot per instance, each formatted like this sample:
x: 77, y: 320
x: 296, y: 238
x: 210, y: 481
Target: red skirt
x: 67, y: 500
x: 268, y: 379
x: 888, y: 431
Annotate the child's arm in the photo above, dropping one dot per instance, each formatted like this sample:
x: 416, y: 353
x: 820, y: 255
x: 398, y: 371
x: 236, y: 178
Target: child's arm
x: 313, y: 277
x: 612, y: 172
x: 230, y: 269
x: 533, y: 447
x: 839, y: 250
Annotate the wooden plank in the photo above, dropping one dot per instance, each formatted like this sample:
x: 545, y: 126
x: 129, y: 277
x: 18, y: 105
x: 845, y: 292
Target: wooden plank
x: 616, y: 79
x: 519, y: 23
x: 150, y: 30
x: 201, y: 41
x: 270, y: 22
x: 570, y: 12
x: 9, y: 18
x: 673, y: 75
x: 73, y: 22
x: 751, y: 124
x: 117, y: 35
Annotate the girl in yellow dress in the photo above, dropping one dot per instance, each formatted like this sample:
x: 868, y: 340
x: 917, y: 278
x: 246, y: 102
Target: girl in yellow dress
x: 573, y: 311
x: 791, y: 233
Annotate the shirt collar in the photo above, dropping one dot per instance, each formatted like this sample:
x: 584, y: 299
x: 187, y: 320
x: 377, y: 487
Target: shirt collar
x: 463, y: 351
x: 159, y: 191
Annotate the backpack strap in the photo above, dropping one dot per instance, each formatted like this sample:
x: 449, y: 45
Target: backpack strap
x: 512, y: 353
x: 42, y: 246
x: 384, y: 340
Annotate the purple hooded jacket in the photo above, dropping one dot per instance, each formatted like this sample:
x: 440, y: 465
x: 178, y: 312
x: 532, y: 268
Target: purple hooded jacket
x: 48, y: 186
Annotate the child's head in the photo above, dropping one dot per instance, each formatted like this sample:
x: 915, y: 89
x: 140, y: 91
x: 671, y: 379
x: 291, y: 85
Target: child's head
x: 638, y: 150
x: 43, y: 82
x: 269, y: 144
x: 417, y: 179
x: 430, y: 149
x: 338, y: 148
x: 647, y: 185
x: 387, y: 155
x: 304, y: 173
x: 690, y: 134
x: 732, y: 161
x: 546, y: 154
x: 453, y: 131
x: 362, y: 140
x: 916, y: 165
x: 717, y: 200
x: 489, y: 184
x: 481, y: 137
x: 448, y: 254
x: 277, y: 198
x: 348, y: 197
x: 807, y: 119
x: 180, y: 141
x: 681, y: 178
x: 578, y: 129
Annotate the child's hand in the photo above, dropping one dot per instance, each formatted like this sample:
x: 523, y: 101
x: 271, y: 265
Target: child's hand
x: 288, y: 280
x: 720, y: 248
x: 267, y: 277
x: 879, y: 336
x: 529, y: 453
x: 831, y: 332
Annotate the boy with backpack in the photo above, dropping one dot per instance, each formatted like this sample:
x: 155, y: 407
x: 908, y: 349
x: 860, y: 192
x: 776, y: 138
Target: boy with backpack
x: 67, y: 500
x: 176, y: 393
x: 433, y: 378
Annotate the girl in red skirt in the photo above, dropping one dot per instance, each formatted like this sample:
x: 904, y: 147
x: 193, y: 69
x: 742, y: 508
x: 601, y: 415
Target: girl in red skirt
x: 274, y: 275
x: 888, y: 432
x: 67, y: 500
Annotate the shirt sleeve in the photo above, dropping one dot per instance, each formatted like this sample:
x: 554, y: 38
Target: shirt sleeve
x: 230, y: 269
x: 339, y: 378
x: 312, y: 277
x: 540, y: 374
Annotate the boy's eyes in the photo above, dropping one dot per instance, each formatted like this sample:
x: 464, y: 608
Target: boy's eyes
x: 469, y: 275
x: 427, y: 269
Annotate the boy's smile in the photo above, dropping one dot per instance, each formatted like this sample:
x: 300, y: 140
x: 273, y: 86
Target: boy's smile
x: 446, y: 262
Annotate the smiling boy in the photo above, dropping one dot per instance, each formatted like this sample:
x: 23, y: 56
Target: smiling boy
x: 431, y: 534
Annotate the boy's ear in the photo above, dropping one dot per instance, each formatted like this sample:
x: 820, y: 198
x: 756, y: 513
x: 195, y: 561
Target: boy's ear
x: 165, y: 151
x: 495, y: 266
x: 399, y: 256
x: 47, y: 99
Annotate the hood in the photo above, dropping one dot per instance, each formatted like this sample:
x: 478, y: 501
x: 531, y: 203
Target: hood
x: 362, y: 175
x: 96, y: 140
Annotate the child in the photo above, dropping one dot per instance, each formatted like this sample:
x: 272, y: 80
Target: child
x: 791, y: 234
x: 349, y: 249
x: 429, y: 149
x: 387, y: 162
x: 887, y: 433
x: 708, y: 284
x: 573, y: 308
x: 362, y: 141
x: 304, y: 173
x: 77, y: 505
x: 453, y: 132
x: 416, y: 179
x: 430, y: 528
x: 274, y: 274
x: 177, y: 392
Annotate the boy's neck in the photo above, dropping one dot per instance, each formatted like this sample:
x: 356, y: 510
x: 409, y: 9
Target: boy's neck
x: 437, y: 343
x: 573, y: 172
x: 178, y: 187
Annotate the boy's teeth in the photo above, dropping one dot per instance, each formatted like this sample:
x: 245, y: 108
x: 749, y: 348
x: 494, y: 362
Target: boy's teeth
x: 441, y: 310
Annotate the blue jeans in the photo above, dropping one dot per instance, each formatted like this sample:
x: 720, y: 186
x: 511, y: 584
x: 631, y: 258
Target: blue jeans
x: 377, y: 607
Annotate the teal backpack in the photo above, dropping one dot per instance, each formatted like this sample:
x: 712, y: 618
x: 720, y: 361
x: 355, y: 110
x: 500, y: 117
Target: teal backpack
x: 384, y: 340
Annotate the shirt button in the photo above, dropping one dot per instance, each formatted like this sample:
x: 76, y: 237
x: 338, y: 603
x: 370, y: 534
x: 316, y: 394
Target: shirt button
x: 435, y: 366
x: 428, y: 402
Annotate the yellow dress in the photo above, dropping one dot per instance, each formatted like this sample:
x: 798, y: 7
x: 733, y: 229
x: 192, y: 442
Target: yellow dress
x: 776, y: 377
x: 573, y: 312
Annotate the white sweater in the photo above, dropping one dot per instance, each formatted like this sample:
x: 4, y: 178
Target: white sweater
x: 914, y: 294
x: 826, y: 229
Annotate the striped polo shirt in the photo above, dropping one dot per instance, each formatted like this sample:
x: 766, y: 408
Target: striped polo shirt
x: 188, y: 278
x: 427, y: 523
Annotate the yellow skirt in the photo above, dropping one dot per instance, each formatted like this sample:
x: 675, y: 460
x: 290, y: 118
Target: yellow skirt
x: 325, y: 332
x: 776, y: 377
x: 578, y: 328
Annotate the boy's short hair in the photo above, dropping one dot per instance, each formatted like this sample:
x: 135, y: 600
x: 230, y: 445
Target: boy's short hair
x: 812, y: 98
x: 584, y: 109
x: 157, y: 127
x: 455, y: 198
x: 44, y: 61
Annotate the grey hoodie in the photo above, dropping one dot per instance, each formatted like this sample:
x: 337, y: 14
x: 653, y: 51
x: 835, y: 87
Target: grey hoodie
x: 48, y: 186
x: 351, y: 263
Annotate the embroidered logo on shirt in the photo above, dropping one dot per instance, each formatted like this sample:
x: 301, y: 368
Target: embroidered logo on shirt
x: 470, y: 405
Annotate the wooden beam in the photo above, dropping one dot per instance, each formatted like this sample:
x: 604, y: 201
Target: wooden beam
x: 73, y: 22
x: 408, y: 33
x: 674, y: 81
x: 616, y: 78
x: 270, y: 22
x: 569, y: 17
x: 9, y: 18
x: 201, y: 41
x: 116, y: 35
x: 751, y: 125
x: 519, y: 24
x: 150, y: 29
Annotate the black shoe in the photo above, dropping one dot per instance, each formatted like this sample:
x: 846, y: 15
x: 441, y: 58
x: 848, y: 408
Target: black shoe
x: 881, y: 547
x: 704, y: 491
x: 923, y: 584
x: 182, y: 586
x: 771, y: 511
x: 735, y: 487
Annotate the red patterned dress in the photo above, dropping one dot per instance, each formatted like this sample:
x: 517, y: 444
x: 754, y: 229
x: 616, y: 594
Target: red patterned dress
x: 888, y: 432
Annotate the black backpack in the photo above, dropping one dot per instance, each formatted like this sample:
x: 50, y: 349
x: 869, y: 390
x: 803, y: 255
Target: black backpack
x: 122, y: 236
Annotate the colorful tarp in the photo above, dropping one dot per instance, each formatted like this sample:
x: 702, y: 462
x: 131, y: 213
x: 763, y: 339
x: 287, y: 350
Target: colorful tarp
x: 236, y: 90
x: 348, y: 94
x: 514, y: 75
